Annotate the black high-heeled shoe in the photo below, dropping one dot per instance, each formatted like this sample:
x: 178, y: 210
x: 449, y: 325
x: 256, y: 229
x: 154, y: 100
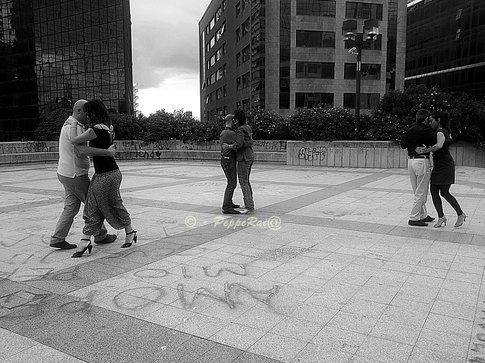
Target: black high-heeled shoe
x: 128, y: 244
x: 89, y: 247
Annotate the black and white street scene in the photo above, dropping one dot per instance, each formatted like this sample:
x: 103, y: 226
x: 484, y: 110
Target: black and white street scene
x: 247, y: 181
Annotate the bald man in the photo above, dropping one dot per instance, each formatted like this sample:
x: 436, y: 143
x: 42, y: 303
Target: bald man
x: 72, y: 172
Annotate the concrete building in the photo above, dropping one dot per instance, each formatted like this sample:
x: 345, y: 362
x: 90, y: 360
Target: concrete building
x: 282, y: 55
x: 446, y: 45
x: 56, y: 51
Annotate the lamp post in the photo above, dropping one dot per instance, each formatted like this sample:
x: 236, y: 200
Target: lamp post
x: 356, y: 41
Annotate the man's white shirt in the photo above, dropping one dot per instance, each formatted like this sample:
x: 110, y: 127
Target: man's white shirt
x: 71, y: 165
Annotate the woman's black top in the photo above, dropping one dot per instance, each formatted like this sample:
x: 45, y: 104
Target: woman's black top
x: 443, y: 164
x: 103, y: 140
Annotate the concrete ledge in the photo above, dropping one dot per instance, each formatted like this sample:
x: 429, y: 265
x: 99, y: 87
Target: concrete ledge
x: 346, y: 154
x: 20, y: 158
x: 273, y: 157
x: 369, y: 154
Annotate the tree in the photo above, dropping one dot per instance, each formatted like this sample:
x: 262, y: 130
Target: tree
x: 50, y: 127
x: 396, y: 113
x: 268, y: 125
x: 128, y: 127
x: 322, y: 123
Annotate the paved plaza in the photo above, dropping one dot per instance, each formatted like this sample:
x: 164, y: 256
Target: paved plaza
x: 327, y: 270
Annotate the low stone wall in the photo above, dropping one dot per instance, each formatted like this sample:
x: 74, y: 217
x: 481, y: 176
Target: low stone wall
x: 347, y: 154
x: 28, y: 152
x: 369, y: 154
x: 273, y: 151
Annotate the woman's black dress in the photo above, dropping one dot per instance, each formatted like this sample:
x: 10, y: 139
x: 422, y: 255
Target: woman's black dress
x: 443, y: 164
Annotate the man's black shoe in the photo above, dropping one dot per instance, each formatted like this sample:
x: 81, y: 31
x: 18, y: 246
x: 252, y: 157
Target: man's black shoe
x: 64, y: 245
x: 235, y: 205
x: 417, y: 223
x: 427, y: 219
x: 108, y: 239
x: 230, y: 211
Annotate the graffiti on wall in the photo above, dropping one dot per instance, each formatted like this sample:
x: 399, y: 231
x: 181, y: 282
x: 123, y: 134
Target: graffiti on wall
x: 312, y: 153
x: 28, y: 147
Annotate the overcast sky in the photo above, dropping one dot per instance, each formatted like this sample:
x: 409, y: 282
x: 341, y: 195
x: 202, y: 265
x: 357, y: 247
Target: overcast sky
x: 166, y: 53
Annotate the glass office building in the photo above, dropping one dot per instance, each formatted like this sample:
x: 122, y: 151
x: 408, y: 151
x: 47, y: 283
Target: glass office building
x: 289, y: 54
x: 55, y: 51
x: 446, y: 45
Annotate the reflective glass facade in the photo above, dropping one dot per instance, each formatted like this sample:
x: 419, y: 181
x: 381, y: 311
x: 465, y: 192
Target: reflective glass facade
x: 446, y: 45
x: 62, y: 50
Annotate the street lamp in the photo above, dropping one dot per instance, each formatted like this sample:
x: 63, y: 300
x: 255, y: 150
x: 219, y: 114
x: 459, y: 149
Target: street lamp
x: 355, y: 41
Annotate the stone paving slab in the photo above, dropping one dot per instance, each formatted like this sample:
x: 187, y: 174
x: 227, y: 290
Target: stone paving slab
x: 327, y: 270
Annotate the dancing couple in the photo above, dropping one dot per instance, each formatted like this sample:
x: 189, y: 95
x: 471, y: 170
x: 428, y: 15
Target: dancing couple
x: 101, y: 195
x: 431, y: 134
x: 237, y: 158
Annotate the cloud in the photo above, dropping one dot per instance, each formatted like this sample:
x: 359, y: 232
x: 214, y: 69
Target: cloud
x: 165, y: 40
x: 176, y: 93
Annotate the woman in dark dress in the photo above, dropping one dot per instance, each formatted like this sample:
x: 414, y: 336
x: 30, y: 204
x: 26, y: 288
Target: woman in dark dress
x: 443, y: 174
x: 103, y: 200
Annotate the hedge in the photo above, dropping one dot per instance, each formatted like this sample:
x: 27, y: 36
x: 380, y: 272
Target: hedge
x: 388, y: 121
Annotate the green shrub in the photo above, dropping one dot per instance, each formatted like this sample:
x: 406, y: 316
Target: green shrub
x: 50, y: 127
x: 128, y: 127
x: 396, y: 113
x: 322, y: 123
x: 268, y: 125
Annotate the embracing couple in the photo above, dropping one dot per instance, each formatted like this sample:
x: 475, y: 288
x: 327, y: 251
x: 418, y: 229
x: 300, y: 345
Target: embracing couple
x: 237, y: 158
x: 431, y: 134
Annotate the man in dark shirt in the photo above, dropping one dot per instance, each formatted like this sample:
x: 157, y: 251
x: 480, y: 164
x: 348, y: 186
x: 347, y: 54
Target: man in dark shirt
x: 419, y: 166
x: 228, y: 163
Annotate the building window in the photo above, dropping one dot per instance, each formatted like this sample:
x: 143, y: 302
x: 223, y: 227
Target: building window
x: 220, y: 52
x: 245, y: 80
x: 315, y: 70
x: 313, y: 99
x: 246, y: 53
x: 358, y: 10
x: 316, y: 7
x: 238, y: 34
x: 220, y: 31
x: 219, y: 12
x: 238, y: 9
x: 238, y: 59
x: 245, y: 27
x: 368, y: 72
x: 245, y: 104
x: 221, y: 93
x: 211, y: 61
x: 238, y: 83
x: 212, y: 42
x: 367, y: 100
x: 221, y: 72
x: 315, y: 39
